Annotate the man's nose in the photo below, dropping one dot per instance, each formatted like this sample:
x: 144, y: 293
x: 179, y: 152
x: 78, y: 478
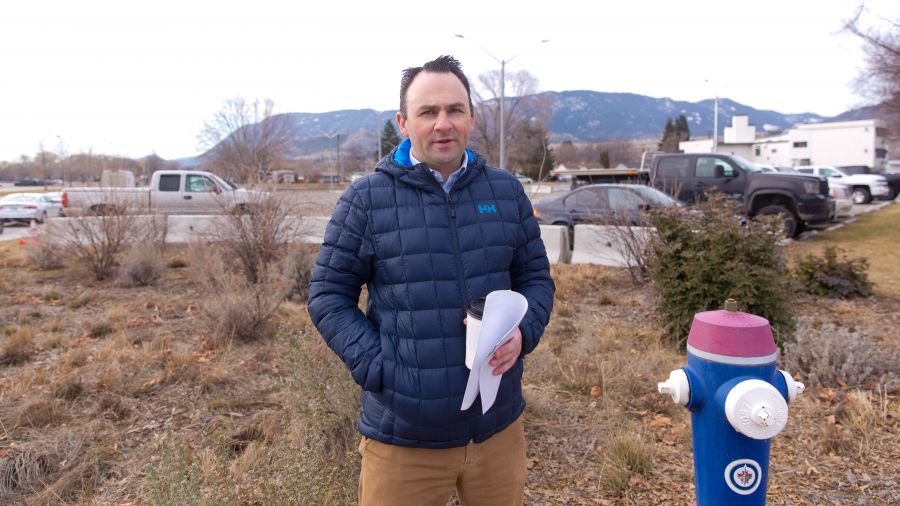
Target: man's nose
x: 442, y: 122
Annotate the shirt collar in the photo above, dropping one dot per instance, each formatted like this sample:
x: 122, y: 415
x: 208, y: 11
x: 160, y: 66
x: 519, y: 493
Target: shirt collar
x: 446, y: 185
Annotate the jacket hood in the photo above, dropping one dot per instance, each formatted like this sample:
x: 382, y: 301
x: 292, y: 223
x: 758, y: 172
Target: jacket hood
x: 398, y: 164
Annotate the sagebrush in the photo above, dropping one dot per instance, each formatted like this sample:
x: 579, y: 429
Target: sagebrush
x: 832, y: 356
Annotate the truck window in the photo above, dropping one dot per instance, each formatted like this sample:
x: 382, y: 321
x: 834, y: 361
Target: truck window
x: 169, y: 182
x: 829, y: 173
x: 706, y: 167
x: 198, y: 183
x: 674, y: 167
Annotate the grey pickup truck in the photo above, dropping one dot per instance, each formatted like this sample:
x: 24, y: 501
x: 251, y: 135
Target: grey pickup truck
x: 801, y: 200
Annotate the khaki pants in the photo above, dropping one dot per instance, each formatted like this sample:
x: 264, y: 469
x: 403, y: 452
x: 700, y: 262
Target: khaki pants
x: 486, y: 474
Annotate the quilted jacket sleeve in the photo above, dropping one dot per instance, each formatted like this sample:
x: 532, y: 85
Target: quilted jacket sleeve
x: 344, y: 264
x: 530, y: 275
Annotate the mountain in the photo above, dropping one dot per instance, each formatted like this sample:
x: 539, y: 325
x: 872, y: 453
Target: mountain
x: 579, y: 116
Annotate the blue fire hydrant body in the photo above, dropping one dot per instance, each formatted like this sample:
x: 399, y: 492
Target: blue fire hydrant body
x: 738, y: 402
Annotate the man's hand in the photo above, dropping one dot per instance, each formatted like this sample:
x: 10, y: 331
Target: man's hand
x: 505, y: 356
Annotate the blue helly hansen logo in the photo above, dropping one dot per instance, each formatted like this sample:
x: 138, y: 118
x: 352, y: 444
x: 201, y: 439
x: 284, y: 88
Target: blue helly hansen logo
x: 487, y: 208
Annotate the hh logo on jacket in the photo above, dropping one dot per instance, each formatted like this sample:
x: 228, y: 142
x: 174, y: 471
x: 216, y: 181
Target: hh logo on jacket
x: 487, y: 208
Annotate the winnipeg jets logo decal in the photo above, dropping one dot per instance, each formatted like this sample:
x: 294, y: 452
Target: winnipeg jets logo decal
x: 743, y: 476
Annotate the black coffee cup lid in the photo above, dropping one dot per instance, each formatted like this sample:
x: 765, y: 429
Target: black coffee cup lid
x: 476, y: 307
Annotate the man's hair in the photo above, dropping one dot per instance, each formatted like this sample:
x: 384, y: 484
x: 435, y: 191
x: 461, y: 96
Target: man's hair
x: 444, y: 63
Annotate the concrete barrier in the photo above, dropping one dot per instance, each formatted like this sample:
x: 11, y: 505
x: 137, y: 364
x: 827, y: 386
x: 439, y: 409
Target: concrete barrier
x: 182, y: 228
x: 608, y: 245
x: 556, y: 242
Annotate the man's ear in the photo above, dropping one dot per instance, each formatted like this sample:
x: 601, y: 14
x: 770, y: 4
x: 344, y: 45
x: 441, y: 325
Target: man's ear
x: 402, y: 122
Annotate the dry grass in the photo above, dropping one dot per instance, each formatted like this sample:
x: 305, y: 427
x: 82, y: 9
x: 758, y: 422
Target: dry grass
x: 156, y: 410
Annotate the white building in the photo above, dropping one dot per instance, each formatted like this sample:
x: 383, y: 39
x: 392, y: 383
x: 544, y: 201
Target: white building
x: 835, y: 143
x: 840, y: 143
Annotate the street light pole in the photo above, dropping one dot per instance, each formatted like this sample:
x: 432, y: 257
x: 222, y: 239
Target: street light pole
x: 502, y: 96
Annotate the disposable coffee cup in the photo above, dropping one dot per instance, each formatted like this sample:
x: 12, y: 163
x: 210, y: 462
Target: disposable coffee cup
x: 474, y: 312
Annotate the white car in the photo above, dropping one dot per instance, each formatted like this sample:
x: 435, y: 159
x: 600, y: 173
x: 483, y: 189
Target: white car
x: 24, y: 207
x: 843, y: 197
x: 864, y: 186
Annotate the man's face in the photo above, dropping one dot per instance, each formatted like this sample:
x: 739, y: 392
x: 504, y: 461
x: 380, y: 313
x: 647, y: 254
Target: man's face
x: 438, y: 121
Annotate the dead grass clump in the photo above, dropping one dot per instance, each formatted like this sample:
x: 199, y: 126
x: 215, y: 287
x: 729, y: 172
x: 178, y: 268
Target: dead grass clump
x: 177, y: 263
x: 100, y: 329
x: 626, y: 456
x: 47, y: 253
x: 858, y: 412
x: 111, y: 407
x: 834, y: 356
x: 17, y: 348
x: 297, y: 267
x: 237, y: 308
x: 68, y: 388
x: 142, y: 264
x: 75, y: 357
x: 38, y: 413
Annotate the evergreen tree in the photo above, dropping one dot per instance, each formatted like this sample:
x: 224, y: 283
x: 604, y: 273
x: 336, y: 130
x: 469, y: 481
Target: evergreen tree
x: 389, y: 138
x: 604, y: 159
x: 675, y: 131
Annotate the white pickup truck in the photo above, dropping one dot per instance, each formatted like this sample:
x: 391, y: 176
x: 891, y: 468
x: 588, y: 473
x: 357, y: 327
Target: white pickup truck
x: 170, y: 191
x: 863, y: 186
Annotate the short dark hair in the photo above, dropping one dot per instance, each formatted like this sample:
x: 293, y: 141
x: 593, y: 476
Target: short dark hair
x: 445, y: 63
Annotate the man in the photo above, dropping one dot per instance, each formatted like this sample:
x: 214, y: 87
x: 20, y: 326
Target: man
x: 432, y: 229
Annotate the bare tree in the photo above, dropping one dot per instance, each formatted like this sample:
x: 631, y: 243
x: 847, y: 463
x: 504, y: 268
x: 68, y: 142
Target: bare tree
x: 247, y: 139
x: 521, y: 96
x: 881, y: 78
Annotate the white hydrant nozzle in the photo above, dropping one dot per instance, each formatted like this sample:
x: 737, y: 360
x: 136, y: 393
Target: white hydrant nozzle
x: 676, y: 387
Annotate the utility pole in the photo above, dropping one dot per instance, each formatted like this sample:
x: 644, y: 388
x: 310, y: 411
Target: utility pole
x: 502, y: 96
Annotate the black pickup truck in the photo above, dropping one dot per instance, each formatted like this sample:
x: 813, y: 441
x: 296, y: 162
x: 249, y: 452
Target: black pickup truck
x: 801, y: 200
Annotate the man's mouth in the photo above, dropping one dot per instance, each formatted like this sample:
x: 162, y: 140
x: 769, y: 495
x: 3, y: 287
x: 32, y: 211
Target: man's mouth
x: 444, y: 142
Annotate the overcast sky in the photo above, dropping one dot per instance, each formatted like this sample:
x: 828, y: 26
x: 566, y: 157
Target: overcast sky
x: 132, y: 78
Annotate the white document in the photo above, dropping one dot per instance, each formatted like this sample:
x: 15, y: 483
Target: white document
x: 503, y: 310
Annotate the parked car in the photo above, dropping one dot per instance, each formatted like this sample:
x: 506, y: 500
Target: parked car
x: 843, y: 198
x: 865, y: 186
x: 24, y: 207
x: 524, y: 179
x: 30, y: 182
x: 892, y: 179
x: 602, y: 203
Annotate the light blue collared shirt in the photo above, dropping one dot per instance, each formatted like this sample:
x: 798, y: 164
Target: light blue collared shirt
x: 437, y: 175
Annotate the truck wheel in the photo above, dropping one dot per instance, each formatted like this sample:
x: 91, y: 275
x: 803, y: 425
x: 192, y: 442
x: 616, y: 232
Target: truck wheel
x: 861, y: 195
x: 791, y: 225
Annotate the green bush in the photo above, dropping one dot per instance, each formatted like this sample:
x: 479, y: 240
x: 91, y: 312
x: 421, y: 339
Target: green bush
x: 708, y: 253
x: 830, y: 276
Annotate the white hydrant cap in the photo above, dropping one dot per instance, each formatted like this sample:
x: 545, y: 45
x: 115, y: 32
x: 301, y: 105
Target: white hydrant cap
x: 677, y: 387
x: 756, y: 409
x: 794, y: 388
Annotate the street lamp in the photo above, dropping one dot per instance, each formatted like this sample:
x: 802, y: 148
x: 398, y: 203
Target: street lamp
x: 715, y: 143
x: 502, y: 95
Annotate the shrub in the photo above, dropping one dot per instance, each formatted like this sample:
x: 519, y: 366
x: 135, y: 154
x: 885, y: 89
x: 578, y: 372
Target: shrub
x: 143, y: 264
x: 98, y: 240
x: 833, y: 277
x: 322, y: 439
x: 701, y: 257
x: 829, y: 356
x: 297, y: 268
x: 257, y: 234
x: 236, y: 307
x: 46, y: 253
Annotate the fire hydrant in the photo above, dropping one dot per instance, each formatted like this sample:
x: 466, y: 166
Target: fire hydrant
x: 738, y: 402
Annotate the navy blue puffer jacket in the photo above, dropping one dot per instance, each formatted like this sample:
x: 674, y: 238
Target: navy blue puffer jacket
x: 424, y: 254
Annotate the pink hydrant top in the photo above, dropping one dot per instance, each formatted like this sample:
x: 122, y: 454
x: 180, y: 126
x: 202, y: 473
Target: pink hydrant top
x: 731, y: 334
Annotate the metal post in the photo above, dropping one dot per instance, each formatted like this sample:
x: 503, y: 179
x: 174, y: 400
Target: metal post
x: 716, y: 125
x: 502, y: 114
